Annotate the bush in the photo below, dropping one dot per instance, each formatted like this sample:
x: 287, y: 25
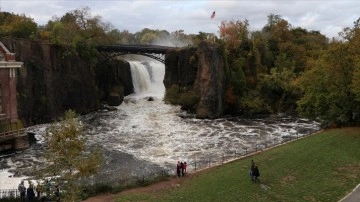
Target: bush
x: 186, y: 97
x: 172, y: 95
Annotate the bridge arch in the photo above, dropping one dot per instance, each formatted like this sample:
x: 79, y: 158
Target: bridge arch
x: 158, y: 57
x: 152, y: 51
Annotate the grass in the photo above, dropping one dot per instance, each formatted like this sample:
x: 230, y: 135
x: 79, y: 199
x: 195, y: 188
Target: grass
x: 322, y: 167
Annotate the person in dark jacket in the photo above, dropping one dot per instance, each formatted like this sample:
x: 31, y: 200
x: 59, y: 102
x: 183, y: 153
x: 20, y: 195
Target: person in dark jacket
x: 57, y: 192
x: 30, y: 193
x: 178, y: 169
x: 251, y: 172
x: 182, y: 168
x: 256, y: 174
x: 22, y: 190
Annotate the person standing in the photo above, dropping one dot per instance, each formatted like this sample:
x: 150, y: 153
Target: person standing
x: 30, y: 192
x: 251, y: 172
x: 22, y: 190
x: 256, y: 174
x: 48, y: 188
x: 178, y: 167
x: 38, y: 190
x: 57, y: 192
x: 182, y: 168
x: 185, y: 167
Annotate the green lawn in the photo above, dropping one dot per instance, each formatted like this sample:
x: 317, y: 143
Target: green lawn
x: 322, y: 167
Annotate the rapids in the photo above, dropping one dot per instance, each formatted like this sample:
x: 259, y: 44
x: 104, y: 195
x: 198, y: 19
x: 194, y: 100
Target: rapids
x: 144, y: 136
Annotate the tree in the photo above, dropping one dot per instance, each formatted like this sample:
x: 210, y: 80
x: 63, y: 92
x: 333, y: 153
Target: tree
x: 67, y: 159
x: 77, y: 26
x: 18, y: 26
x: 234, y: 33
x: 149, y: 38
x: 327, y: 87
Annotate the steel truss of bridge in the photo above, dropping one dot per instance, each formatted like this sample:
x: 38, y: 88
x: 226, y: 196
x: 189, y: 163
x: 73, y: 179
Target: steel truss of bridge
x: 153, y: 51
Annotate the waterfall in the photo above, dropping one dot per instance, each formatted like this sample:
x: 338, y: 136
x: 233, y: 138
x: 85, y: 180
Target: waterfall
x: 147, y: 78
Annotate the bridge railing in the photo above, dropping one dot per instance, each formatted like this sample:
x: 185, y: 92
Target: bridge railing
x: 11, y: 134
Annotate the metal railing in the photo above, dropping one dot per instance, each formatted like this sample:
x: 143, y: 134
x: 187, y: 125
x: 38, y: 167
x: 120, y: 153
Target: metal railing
x: 12, y: 134
x: 202, y: 163
x: 9, y: 193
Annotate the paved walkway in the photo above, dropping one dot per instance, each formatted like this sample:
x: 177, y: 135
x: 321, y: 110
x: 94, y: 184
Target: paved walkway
x: 354, y: 196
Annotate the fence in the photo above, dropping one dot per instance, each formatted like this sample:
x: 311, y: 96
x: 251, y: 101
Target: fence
x: 9, y: 193
x: 116, y: 178
x: 199, y: 163
x: 203, y: 162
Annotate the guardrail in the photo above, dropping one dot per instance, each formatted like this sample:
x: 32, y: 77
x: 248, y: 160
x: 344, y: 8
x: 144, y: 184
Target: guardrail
x: 12, y: 134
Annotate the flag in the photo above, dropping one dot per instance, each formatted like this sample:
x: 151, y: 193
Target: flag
x: 213, y: 15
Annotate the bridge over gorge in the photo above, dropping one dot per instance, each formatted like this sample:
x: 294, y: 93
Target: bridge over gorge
x: 153, y: 51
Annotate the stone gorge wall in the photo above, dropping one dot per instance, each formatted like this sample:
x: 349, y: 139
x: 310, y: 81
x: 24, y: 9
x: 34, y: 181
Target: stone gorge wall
x: 53, y: 81
x: 114, y: 80
x: 210, y: 81
x: 179, y: 68
x: 201, y: 68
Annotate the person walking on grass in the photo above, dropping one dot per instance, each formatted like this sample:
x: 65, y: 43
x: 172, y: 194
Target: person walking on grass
x: 256, y: 174
x: 251, y: 172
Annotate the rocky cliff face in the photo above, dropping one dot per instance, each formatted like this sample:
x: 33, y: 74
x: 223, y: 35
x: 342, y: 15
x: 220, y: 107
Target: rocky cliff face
x: 201, y: 69
x: 114, y: 81
x: 210, y: 81
x: 52, y: 81
x: 180, y: 67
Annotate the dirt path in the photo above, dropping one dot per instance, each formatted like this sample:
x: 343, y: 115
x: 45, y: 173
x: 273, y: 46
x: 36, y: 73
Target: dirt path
x: 172, y: 183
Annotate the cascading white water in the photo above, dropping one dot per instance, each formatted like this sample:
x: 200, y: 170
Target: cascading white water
x: 147, y: 78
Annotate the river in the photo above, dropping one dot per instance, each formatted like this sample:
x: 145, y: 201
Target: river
x: 143, y: 136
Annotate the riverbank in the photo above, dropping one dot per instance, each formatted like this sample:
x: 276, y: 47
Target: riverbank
x: 322, y: 167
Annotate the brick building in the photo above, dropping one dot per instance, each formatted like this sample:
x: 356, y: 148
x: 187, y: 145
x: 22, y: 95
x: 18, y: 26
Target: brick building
x: 11, y: 130
x: 8, y: 66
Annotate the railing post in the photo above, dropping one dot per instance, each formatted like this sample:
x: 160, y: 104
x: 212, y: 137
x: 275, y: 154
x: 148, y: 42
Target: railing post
x: 195, y: 164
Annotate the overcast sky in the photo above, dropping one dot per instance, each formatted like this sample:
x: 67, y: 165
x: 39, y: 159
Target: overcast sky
x: 327, y: 16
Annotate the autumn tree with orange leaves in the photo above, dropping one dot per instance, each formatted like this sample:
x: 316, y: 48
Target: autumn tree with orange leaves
x: 234, y: 33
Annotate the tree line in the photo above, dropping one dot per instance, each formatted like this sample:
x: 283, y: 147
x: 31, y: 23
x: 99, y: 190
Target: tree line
x: 278, y: 69
x: 286, y: 69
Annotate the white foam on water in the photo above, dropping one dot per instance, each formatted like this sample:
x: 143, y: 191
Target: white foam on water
x: 7, y: 181
x: 153, y: 131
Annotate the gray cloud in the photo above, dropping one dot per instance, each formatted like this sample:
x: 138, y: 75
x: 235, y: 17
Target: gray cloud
x: 327, y: 16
